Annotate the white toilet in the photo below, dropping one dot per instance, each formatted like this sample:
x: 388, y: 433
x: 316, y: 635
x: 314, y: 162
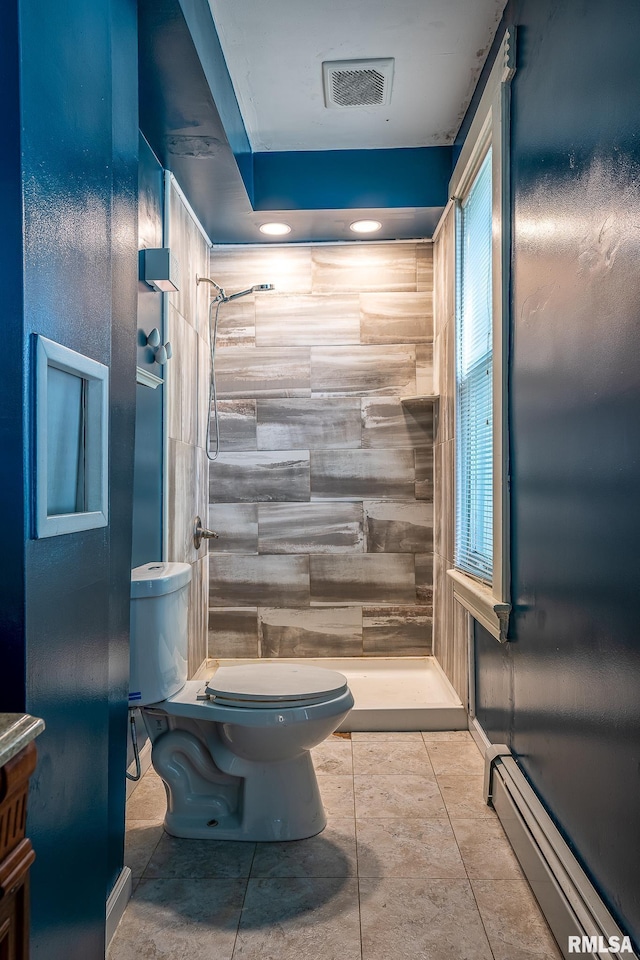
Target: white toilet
x: 234, y: 752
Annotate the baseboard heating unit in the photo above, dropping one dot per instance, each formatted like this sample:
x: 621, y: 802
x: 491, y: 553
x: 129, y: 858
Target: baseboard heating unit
x: 577, y: 916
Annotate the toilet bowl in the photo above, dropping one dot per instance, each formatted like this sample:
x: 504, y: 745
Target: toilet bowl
x: 233, y: 752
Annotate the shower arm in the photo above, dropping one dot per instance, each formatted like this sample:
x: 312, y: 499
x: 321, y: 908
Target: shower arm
x: 222, y: 296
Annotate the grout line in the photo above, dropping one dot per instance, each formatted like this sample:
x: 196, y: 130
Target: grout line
x: 244, y: 900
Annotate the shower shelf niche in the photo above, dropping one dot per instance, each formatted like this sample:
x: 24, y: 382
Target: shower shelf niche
x: 418, y: 401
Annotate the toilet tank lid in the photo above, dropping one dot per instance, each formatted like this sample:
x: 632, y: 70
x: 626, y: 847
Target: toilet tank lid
x: 156, y: 579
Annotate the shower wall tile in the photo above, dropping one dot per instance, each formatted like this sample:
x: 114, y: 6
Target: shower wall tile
x: 424, y: 472
x: 384, y: 267
x: 236, y: 581
x: 362, y: 579
x: 424, y: 369
x: 174, y: 389
x: 201, y: 495
x: 316, y: 423
x: 362, y: 474
x: 237, y: 323
x: 310, y: 528
x: 263, y: 372
x: 182, y: 469
x: 424, y: 267
x: 315, y: 632
x: 233, y: 632
x: 424, y: 579
x: 390, y: 423
x: 236, y: 525
x: 188, y: 381
x: 317, y: 318
x: 444, y: 272
x: 402, y: 631
x: 444, y: 498
x: 360, y: 371
x: 396, y: 317
x: 446, y: 382
x: 237, y: 420
x: 236, y: 268
x: 398, y: 527
x: 259, y: 475
x: 198, y: 606
x: 202, y: 393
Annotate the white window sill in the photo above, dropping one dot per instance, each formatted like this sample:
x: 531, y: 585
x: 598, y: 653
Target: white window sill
x: 478, y: 599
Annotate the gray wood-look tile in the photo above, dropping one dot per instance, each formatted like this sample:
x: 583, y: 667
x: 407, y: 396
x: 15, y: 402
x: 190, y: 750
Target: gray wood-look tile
x: 369, y: 578
x: 308, y: 424
x: 297, y: 320
x: 310, y: 528
x: 389, y: 423
x: 424, y: 472
x: 233, y: 632
x: 398, y: 527
x: 362, y: 474
x: 359, y: 267
x: 444, y: 498
x: 236, y: 268
x: 243, y: 373
x: 396, y: 632
x: 259, y: 475
x: 237, y: 419
x: 236, y: 581
x: 315, y: 632
x: 236, y: 525
x: 424, y: 579
x: 236, y: 323
x: 424, y: 370
x: 424, y: 267
x: 361, y: 371
x: 396, y: 317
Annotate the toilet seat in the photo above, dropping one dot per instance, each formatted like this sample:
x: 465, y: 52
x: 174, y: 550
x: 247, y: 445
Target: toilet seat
x: 269, y: 686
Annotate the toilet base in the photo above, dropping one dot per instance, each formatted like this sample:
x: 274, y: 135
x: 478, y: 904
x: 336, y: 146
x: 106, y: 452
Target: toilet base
x: 231, y: 798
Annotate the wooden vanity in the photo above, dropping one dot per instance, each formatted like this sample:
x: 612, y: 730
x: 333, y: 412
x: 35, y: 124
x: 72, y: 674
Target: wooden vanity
x: 17, y: 763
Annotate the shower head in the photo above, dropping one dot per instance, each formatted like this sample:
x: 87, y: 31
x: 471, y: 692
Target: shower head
x: 254, y: 289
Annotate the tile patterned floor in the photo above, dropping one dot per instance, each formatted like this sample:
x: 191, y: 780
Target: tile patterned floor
x: 411, y: 866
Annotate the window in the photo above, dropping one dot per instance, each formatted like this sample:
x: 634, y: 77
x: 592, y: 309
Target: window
x: 480, y: 190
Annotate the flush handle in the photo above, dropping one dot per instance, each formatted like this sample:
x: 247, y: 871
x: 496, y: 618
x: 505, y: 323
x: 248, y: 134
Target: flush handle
x: 200, y: 533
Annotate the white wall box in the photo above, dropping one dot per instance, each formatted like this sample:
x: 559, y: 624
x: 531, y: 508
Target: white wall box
x: 71, y: 440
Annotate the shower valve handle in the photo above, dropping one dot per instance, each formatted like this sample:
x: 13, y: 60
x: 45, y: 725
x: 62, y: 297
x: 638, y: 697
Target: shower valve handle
x: 200, y: 533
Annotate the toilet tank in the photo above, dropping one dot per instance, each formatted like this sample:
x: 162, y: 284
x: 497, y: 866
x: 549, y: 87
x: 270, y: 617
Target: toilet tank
x: 159, y: 631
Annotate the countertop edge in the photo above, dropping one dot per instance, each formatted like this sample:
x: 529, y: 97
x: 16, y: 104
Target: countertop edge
x: 16, y: 731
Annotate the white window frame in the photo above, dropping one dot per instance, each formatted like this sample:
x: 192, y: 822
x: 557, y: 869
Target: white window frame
x: 490, y: 604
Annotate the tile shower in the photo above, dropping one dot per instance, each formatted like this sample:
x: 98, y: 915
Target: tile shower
x: 322, y: 495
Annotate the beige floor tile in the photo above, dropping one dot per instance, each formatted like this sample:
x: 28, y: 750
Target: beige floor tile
x: 200, y: 859
x: 485, y: 850
x: 420, y: 920
x: 170, y: 919
x: 337, y: 795
x: 149, y: 800
x: 461, y: 759
x: 514, y: 923
x: 396, y: 797
x: 391, y: 758
x: 383, y: 737
x: 333, y: 757
x: 331, y: 853
x: 447, y: 736
x: 141, y: 839
x: 419, y: 849
x: 289, y: 919
x: 463, y: 797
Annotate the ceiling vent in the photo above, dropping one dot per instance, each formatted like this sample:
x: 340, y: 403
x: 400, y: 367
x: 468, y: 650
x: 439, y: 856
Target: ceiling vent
x: 357, y: 83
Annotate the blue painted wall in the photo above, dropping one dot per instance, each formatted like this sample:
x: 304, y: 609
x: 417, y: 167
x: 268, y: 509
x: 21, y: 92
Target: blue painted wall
x: 564, y: 692
x: 65, y: 605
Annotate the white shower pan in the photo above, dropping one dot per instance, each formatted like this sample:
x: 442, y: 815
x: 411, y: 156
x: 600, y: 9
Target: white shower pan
x: 390, y: 693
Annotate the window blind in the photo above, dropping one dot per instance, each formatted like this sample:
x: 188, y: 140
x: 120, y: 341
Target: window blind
x: 474, y: 393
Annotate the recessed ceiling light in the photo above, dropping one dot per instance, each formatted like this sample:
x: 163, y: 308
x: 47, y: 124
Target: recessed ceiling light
x: 365, y: 226
x: 275, y: 229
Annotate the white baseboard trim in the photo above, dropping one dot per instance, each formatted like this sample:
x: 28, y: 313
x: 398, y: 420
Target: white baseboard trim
x: 567, y: 898
x: 117, y: 902
x: 145, y: 763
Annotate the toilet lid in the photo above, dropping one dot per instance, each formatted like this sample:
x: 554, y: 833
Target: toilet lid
x: 261, y: 684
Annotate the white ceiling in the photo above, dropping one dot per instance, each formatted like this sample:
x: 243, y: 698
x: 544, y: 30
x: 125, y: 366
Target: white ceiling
x: 274, y: 50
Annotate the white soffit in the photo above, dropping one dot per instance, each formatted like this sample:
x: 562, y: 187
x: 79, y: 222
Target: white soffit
x: 275, y: 48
